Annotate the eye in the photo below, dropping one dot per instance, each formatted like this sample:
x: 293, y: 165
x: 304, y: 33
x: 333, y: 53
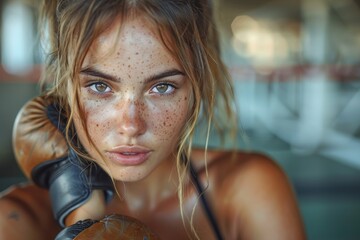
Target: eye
x: 100, y: 87
x: 163, y: 88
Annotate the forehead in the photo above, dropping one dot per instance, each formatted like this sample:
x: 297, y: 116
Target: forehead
x: 136, y: 35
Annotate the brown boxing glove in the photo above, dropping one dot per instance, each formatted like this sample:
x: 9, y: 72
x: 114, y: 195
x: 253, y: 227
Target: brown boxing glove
x: 44, y: 156
x: 35, y: 138
x: 114, y: 227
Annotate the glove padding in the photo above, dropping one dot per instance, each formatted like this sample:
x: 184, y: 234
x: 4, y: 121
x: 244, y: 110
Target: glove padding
x: 113, y: 227
x: 44, y: 156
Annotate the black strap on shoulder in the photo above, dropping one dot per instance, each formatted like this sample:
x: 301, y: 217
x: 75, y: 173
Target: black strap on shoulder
x: 205, y: 204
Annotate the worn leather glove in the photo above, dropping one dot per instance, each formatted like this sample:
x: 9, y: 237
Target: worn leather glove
x: 44, y: 156
x: 113, y: 227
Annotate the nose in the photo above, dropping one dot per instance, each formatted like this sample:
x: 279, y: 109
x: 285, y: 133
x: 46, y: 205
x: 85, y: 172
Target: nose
x: 132, y: 122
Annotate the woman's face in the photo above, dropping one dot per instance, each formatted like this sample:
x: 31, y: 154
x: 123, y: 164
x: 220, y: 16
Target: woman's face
x: 135, y: 97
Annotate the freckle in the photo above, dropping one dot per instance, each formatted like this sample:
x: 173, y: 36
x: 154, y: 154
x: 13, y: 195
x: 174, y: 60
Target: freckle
x: 128, y: 66
x: 97, y: 125
x: 14, y: 216
x: 137, y: 53
x: 129, y: 58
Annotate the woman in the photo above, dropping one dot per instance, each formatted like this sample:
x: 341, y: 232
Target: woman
x: 132, y: 77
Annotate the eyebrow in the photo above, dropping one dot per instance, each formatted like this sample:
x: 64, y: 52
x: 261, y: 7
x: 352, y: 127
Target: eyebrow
x: 97, y: 73
x: 165, y: 74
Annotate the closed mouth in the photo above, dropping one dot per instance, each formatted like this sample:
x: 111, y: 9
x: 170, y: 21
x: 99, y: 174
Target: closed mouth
x: 129, y: 155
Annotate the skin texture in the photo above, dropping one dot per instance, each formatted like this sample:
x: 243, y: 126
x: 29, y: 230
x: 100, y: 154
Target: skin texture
x: 126, y: 106
x: 131, y: 110
x: 26, y: 214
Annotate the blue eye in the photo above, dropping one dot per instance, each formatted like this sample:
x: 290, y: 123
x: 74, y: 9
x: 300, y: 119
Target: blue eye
x: 163, y: 88
x: 100, y: 87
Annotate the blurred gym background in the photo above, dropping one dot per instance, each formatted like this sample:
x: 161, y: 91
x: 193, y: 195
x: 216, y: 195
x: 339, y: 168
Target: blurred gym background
x: 296, y: 70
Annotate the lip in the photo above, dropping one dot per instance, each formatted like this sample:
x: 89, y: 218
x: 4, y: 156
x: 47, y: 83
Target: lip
x: 128, y: 155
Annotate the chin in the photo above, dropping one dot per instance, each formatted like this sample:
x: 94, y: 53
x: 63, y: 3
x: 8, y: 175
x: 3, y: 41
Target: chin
x: 129, y: 175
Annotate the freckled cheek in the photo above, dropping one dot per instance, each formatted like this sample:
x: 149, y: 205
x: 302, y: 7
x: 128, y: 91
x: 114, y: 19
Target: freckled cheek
x: 97, y: 122
x: 168, y: 122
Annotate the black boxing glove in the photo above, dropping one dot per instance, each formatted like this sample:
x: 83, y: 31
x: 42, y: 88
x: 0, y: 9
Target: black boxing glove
x: 44, y: 156
x: 112, y: 227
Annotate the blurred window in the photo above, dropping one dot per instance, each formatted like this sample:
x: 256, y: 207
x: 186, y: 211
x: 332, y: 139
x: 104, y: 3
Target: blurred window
x: 17, y: 38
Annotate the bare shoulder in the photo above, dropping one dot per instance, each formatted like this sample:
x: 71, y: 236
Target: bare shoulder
x: 25, y: 213
x: 240, y: 166
x: 248, y: 169
x: 253, y: 196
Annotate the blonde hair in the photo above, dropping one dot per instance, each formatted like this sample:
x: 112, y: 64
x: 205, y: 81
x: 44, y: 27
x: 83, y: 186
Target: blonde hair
x: 188, y: 30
